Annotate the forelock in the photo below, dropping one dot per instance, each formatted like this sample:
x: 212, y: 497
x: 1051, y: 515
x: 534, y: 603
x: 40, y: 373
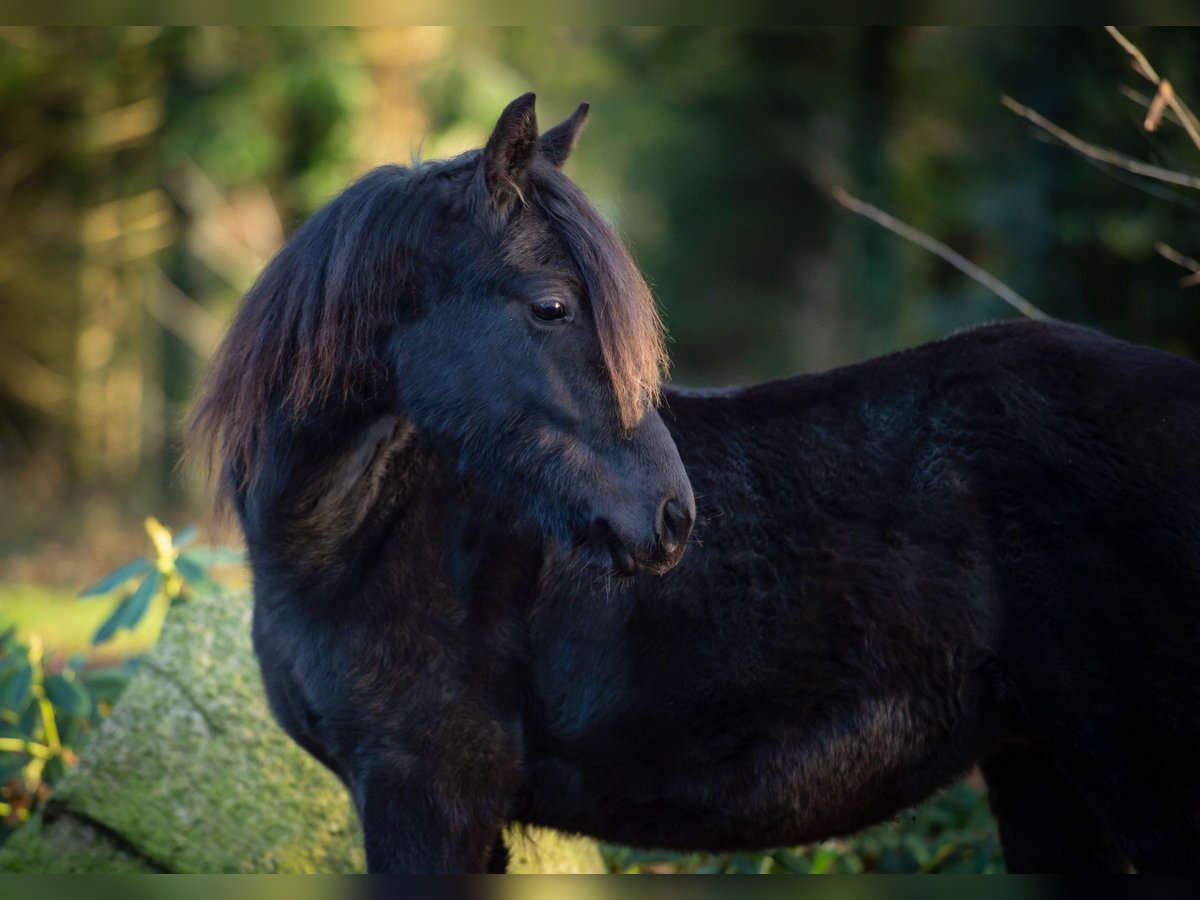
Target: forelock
x: 628, y: 325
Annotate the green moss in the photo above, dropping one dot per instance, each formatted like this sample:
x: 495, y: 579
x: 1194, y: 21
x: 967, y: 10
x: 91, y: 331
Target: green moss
x: 66, y: 846
x: 192, y: 771
x: 538, y: 851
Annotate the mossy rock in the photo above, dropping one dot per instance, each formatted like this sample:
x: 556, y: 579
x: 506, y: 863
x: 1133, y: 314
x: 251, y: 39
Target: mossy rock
x: 191, y: 774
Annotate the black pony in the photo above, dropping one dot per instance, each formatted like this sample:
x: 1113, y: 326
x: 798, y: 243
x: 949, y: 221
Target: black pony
x: 466, y: 501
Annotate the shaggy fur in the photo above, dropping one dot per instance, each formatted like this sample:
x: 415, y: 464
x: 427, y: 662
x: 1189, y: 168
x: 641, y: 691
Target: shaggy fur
x: 982, y: 551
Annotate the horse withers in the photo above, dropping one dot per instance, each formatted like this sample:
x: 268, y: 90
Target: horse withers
x: 484, y: 593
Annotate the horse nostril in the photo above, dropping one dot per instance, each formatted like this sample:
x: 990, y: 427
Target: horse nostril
x: 674, y: 526
x: 621, y: 556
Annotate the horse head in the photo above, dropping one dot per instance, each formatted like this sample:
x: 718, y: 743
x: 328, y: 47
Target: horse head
x: 484, y: 302
x: 539, y: 356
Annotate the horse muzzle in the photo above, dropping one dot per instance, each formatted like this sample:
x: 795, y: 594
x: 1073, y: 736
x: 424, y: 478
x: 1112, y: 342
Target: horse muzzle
x: 656, y: 549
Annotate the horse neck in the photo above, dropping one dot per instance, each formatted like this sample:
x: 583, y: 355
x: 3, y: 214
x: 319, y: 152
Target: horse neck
x: 327, y: 514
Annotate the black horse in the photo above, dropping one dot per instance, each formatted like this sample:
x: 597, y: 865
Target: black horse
x: 466, y: 501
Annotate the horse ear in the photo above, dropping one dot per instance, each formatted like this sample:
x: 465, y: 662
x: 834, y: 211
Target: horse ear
x: 510, y: 150
x: 557, y: 143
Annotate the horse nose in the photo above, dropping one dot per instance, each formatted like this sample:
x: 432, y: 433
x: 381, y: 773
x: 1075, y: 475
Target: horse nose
x: 674, y: 526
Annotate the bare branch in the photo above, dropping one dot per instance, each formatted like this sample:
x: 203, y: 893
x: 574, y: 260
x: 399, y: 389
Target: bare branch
x: 1142, y: 100
x: 1111, y: 157
x: 968, y: 268
x: 1193, y: 266
x: 1168, y: 252
x: 1158, y: 105
x: 1142, y: 66
x: 1187, y: 119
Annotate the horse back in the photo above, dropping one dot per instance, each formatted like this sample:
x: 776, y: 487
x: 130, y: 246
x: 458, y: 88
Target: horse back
x: 1034, y: 484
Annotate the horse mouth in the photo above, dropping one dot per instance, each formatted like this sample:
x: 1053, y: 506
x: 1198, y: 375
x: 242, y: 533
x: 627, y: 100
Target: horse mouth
x: 622, y: 560
x: 610, y: 552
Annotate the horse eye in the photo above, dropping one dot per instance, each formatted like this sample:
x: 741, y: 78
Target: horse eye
x: 549, y: 310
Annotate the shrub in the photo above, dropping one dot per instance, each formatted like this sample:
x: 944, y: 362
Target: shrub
x: 47, y: 715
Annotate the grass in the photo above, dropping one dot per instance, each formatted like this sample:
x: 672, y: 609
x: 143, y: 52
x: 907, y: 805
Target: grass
x: 65, y: 624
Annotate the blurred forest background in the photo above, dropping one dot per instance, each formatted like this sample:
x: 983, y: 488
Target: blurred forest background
x: 146, y: 175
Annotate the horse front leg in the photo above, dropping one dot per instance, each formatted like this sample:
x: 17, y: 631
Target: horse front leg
x: 410, y: 830
x: 435, y: 812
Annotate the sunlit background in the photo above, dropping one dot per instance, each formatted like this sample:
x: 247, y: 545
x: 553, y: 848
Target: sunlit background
x: 146, y: 174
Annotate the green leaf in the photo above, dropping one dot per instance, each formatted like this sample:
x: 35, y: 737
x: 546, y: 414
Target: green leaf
x: 749, y: 863
x: 68, y: 695
x: 140, y: 601
x: 12, y: 661
x: 14, y: 692
x: 111, y: 679
x: 215, y: 556
x: 73, y: 731
x: 196, y: 577
x: 111, y: 624
x: 791, y: 861
x: 130, y: 610
x: 114, y: 580
x: 31, y: 720
x: 183, y: 537
x: 8, y: 635
x: 634, y: 857
x: 106, y: 685
x: 55, y: 769
x: 823, y: 859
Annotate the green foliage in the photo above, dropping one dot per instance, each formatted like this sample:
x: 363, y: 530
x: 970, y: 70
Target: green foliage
x: 169, y: 575
x: 146, y: 175
x: 48, y: 711
x: 952, y: 833
x: 45, y: 717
